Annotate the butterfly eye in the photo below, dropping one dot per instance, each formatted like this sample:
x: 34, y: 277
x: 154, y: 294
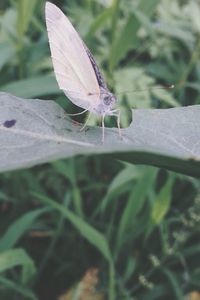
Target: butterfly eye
x: 109, y: 99
x: 106, y: 99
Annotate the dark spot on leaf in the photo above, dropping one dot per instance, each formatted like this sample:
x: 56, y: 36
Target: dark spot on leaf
x: 69, y: 130
x: 9, y: 123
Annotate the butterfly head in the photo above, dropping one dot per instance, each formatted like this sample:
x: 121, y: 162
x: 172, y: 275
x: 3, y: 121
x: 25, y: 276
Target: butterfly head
x: 107, y: 101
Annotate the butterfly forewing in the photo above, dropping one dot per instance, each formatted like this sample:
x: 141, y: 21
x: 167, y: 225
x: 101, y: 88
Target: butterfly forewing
x: 74, y: 72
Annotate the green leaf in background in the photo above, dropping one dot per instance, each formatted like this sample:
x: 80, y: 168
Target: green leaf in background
x: 33, y: 87
x: 8, y: 25
x: 87, y: 231
x: 17, y: 257
x: 25, y: 13
x: 161, y: 203
x: 98, y: 22
x: 160, y: 206
x: 176, y: 286
x: 17, y: 289
x: 124, y: 42
x: 181, y: 34
x: 127, y: 39
x: 91, y: 234
x: 167, y: 138
x: 6, y: 53
x: 18, y: 228
x: 135, y: 203
x: 116, y: 187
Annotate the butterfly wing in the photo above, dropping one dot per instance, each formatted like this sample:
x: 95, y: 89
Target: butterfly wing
x: 73, y: 69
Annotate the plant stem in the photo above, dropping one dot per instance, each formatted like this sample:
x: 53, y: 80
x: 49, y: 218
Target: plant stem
x: 76, y: 191
x: 111, y: 293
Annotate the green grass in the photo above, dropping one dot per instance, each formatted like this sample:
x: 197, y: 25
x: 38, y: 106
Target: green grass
x: 138, y: 225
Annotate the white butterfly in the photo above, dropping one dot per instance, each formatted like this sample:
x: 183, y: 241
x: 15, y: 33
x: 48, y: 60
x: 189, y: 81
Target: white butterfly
x: 76, y: 71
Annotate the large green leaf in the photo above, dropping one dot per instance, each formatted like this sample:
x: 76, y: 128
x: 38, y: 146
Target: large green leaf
x: 38, y: 131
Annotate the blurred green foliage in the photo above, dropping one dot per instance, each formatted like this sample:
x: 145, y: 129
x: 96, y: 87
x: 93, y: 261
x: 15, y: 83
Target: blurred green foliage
x: 138, y: 225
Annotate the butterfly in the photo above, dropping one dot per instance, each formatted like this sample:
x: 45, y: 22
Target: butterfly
x: 76, y: 71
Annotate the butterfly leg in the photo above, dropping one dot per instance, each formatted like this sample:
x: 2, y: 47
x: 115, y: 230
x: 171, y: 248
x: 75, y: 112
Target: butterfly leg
x: 77, y: 114
x: 87, y: 120
x: 118, y: 123
x: 103, y: 129
x: 116, y: 112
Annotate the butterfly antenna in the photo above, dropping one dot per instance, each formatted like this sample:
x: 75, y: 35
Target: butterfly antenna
x: 168, y: 87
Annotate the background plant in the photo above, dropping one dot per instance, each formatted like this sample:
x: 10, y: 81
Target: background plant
x: 137, y: 225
